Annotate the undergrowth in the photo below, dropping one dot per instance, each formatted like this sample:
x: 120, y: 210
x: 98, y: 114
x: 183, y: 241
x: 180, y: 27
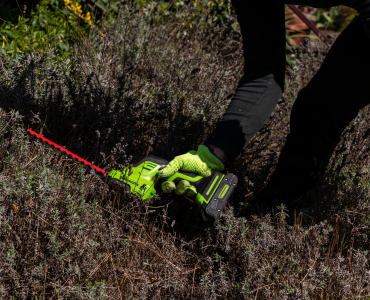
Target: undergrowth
x: 144, y: 89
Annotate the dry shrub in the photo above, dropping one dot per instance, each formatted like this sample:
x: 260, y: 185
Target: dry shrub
x: 65, y: 234
x: 147, y: 81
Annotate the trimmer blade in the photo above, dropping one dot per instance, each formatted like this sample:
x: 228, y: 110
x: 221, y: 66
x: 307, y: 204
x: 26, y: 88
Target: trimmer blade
x: 64, y: 151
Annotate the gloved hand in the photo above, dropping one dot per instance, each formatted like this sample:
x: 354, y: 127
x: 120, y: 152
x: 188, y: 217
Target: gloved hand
x: 202, y: 162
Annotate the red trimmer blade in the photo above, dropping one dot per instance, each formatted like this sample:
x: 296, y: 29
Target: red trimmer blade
x: 66, y: 152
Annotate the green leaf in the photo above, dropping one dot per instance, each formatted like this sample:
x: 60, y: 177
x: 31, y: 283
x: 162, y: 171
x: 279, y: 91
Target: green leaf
x: 101, y: 5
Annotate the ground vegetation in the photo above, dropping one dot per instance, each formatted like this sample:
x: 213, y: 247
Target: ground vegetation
x: 141, y: 89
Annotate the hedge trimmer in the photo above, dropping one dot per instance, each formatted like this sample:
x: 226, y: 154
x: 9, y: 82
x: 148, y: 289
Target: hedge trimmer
x: 213, y: 191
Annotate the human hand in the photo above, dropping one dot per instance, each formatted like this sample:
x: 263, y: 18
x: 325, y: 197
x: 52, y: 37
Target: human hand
x: 202, y: 162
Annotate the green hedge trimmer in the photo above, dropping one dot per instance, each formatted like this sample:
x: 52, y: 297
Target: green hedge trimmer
x: 213, y: 191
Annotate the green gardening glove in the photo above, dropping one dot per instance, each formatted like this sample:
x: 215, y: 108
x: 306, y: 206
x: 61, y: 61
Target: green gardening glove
x: 202, y: 162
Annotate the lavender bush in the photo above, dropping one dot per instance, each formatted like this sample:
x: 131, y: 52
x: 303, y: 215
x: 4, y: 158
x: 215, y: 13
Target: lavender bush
x: 159, y: 88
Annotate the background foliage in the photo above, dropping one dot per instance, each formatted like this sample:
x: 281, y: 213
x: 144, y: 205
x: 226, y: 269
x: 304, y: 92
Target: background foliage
x: 58, y: 24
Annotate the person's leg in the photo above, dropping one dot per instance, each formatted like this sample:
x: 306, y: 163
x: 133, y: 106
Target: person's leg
x: 262, y: 25
x: 323, y: 109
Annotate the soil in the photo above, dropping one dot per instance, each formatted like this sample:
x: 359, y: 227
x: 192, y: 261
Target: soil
x: 331, y: 34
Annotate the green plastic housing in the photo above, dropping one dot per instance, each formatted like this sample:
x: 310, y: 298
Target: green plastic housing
x: 213, y: 191
x: 140, y: 180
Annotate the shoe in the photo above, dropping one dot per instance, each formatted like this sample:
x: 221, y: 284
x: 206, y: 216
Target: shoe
x: 297, y: 171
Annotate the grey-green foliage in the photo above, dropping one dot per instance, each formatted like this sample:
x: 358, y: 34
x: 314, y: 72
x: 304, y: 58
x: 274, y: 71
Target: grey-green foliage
x: 152, y: 50
x: 144, y: 74
x: 65, y: 233
x: 54, y: 221
x: 54, y: 216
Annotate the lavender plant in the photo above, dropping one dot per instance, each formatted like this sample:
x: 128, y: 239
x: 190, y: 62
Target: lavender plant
x: 66, y: 234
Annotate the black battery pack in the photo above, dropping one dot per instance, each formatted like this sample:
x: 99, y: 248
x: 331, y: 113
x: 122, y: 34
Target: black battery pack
x: 213, y: 209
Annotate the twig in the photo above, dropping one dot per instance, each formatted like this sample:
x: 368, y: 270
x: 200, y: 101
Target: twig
x: 115, y: 276
x: 257, y: 289
x: 248, y: 194
x: 61, y: 232
x: 309, y: 23
x: 98, y: 266
x: 45, y: 278
x: 29, y: 162
x: 146, y: 245
x: 11, y: 118
x: 349, y: 211
x: 192, y: 288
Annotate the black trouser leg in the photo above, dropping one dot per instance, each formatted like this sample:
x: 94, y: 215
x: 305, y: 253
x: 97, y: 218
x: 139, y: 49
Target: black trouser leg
x: 323, y: 109
x: 263, y: 29
x: 333, y: 98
